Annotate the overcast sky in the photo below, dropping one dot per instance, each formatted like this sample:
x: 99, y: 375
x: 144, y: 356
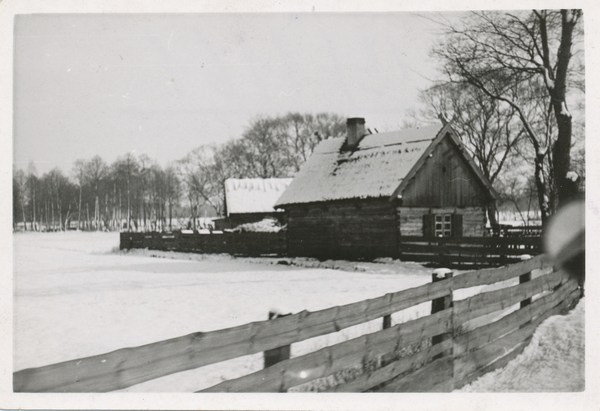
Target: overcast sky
x: 163, y: 84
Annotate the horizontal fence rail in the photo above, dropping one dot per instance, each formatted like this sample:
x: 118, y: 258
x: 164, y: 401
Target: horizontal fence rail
x: 435, y: 353
x: 507, y: 230
x: 480, y: 251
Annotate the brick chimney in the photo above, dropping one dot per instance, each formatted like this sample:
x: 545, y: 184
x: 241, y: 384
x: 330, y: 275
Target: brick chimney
x: 356, y: 131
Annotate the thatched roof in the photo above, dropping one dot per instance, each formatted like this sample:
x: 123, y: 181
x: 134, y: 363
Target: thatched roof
x: 376, y: 168
x: 253, y: 195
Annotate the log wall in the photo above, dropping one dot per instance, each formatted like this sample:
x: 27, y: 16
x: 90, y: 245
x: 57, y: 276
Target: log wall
x: 411, y: 219
x: 343, y: 229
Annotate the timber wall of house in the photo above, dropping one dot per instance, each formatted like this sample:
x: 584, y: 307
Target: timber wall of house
x: 445, y: 180
x: 410, y: 219
x: 343, y: 229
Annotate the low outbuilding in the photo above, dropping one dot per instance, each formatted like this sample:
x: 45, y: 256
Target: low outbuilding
x: 250, y: 200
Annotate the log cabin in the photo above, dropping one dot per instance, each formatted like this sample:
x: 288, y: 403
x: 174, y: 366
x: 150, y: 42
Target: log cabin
x: 250, y: 200
x: 357, y: 196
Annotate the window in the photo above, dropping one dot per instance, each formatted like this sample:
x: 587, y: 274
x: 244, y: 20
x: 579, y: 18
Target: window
x: 443, y: 225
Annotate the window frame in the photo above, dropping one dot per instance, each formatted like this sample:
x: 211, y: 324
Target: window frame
x: 442, y: 225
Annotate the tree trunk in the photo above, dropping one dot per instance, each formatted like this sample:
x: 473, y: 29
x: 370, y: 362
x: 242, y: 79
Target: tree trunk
x: 59, y: 208
x: 79, y: 209
x: 23, y: 216
x: 87, y: 206
x: 68, y: 217
x: 561, y: 151
x: 34, y: 219
x: 115, y: 214
x: 170, y: 216
x: 120, y: 213
x: 97, y: 212
x: 52, y: 209
x: 541, y: 187
x: 105, y: 218
x: 128, y: 208
x: 491, y: 212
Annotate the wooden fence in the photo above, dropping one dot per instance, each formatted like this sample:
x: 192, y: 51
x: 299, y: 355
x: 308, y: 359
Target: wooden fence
x: 478, y: 251
x: 446, y: 251
x: 451, y: 351
x: 506, y: 230
x: 245, y: 243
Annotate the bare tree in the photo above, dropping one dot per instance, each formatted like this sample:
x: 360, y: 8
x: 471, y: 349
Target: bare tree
x: 520, y: 192
x: 95, y: 172
x: 32, y: 186
x: 126, y: 169
x: 267, y: 148
x: 172, y: 191
x: 79, y: 172
x: 301, y: 133
x: 59, y: 193
x: 201, y: 181
x: 19, y: 198
x: 274, y: 147
x: 508, y: 56
x: 487, y: 127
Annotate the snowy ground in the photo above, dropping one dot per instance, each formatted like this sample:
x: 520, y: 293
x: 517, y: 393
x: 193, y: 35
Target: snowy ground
x: 76, y: 295
x: 554, y: 361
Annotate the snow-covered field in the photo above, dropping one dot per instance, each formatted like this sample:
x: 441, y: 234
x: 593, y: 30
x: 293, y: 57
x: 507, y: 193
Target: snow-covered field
x: 76, y: 295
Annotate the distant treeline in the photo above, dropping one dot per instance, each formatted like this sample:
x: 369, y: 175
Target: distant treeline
x: 136, y: 193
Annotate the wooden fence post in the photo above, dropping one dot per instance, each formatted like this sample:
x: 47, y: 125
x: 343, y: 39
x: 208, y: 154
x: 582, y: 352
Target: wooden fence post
x: 523, y: 279
x: 387, y: 321
x: 387, y: 358
x: 279, y: 354
x: 440, y: 304
x: 124, y: 241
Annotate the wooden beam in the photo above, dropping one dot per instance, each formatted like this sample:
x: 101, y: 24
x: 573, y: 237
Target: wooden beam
x: 403, y: 365
x: 483, y: 335
x: 489, y: 302
x: 329, y: 360
x: 435, y: 374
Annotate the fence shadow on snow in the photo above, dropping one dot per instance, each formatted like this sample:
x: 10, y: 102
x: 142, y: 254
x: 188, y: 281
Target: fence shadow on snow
x: 452, y: 350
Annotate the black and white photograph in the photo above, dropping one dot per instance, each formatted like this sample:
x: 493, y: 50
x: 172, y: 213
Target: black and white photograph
x: 345, y: 206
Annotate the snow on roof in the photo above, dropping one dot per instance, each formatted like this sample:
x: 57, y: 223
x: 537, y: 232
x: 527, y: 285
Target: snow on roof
x: 253, y: 195
x: 374, y: 170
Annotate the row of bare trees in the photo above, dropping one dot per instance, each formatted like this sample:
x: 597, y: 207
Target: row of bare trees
x: 136, y: 193
x: 130, y: 193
